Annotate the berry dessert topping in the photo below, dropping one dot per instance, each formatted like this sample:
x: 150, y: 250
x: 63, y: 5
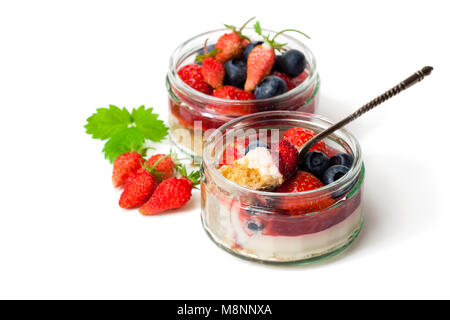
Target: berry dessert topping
x: 257, y: 170
x: 172, y: 193
x: 344, y: 159
x: 262, y: 58
x: 289, y: 81
x: 234, y: 151
x: 233, y: 93
x: 334, y: 173
x: 249, y: 49
x: 262, y: 168
x: 255, y: 144
x: 231, y: 45
x: 292, y: 63
x: 191, y: 74
x: 315, y: 162
x: 201, y: 52
x: 287, y: 158
x: 236, y: 73
x: 124, y: 166
x: 212, y: 70
x: 270, y: 86
x: 303, y: 181
x: 299, y: 136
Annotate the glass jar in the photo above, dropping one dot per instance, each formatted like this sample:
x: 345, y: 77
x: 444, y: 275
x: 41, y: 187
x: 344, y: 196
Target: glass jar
x: 250, y: 224
x: 193, y: 115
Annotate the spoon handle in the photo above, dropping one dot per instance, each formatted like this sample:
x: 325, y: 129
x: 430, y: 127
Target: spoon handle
x: 405, y: 84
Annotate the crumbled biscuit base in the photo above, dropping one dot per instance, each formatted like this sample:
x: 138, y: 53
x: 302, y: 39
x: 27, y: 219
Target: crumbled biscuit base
x: 247, y: 177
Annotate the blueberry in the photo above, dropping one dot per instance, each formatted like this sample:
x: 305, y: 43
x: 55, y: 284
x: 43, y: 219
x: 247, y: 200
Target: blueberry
x: 249, y: 49
x: 254, y: 144
x: 276, y: 66
x: 236, y: 73
x: 270, y: 86
x: 293, y: 62
x: 202, y: 51
x: 316, y: 163
x: 334, y: 173
x: 342, y: 159
x: 254, y: 225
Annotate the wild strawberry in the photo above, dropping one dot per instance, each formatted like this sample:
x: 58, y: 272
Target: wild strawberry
x: 259, y: 64
x: 262, y: 58
x: 299, y: 136
x: 138, y: 189
x: 124, y: 166
x: 213, y: 72
x: 231, y: 45
x: 289, y: 83
x: 172, y: 193
x: 233, y: 93
x: 287, y: 158
x: 303, y: 181
x: 163, y: 165
x: 191, y: 74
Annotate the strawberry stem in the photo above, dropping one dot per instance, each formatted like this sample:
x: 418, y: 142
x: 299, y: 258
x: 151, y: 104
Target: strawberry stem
x: 244, y: 25
x: 206, y: 54
x: 282, y: 31
x: 272, y: 42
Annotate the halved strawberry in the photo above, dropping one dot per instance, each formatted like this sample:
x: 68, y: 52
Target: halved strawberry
x: 233, y: 93
x: 191, y: 74
x: 299, y: 136
x: 303, y: 181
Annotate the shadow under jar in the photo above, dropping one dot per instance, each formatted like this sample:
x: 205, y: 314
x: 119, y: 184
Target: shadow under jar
x: 193, y: 115
x: 252, y: 225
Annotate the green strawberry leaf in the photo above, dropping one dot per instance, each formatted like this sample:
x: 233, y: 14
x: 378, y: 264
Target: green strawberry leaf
x: 148, y: 124
x: 126, y: 140
x: 106, y: 122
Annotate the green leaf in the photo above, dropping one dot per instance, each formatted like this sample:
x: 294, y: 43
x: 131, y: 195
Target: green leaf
x: 125, y: 140
x: 148, y: 124
x: 257, y: 27
x: 106, y: 122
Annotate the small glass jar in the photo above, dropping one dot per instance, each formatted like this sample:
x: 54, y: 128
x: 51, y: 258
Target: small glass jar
x: 250, y: 224
x: 193, y: 115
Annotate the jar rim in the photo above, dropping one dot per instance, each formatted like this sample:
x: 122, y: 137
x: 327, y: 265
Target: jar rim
x: 341, y: 183
x: 204, y: 98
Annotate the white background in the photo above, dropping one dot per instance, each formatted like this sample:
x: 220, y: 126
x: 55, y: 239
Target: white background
x: 62, y: 233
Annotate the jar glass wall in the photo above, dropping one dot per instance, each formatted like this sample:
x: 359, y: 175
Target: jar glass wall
x: 250, y: 223
x: 193, y: 115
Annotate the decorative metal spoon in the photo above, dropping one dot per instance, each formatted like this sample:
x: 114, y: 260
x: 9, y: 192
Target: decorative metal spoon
x: 405, y: 84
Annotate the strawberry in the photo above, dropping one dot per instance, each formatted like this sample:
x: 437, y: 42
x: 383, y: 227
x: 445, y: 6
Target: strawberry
x: 298, y: 137
x: 233, y: 93
x: 303, y: 181
x: 288, y: 80
x: 287, y: 158
x: 262, y: 58
x: 212, y: 70
x: 138, y: 189
x: 164, y: 165
x: 233, y: 151
x: 231, y: 45
x: 172, y: 193
x: 259, y: 64
x: 191, y: 74
x: 299, y: 79
x: 124, y: 166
